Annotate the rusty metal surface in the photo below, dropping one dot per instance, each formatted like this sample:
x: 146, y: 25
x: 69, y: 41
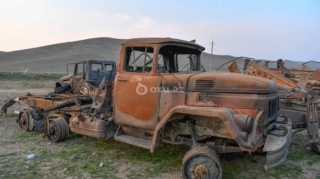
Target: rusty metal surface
x: 254, y: 69
x: 41, y: 103
x: 134, y: 104
x: 146, y: 41
x: 236, y: 83
x: 223, y: 114
x: 86, y: 126
x: 315, y: 75
x: 242, y: 103
x: 303, y: 80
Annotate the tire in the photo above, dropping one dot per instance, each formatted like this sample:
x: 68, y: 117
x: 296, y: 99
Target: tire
x: 24, y: 120
x: 29, y: 120
x: 201, y: 163
x: 57, y: 129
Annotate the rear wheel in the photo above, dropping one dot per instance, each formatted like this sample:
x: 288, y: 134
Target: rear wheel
x: 201, y: 163
x: 57, y: 129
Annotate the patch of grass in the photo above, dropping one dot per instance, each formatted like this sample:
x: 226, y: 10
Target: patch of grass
x: 309, y: 156
x: 167, y: 158
x: 8, y: 154
x: 286, y: 171
x: 27, y: 137
x: 8, y: 76
x: 299, y: 138
x: 80, y: 156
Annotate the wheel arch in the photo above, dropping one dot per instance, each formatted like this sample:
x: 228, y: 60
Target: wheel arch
x: 224, y: 114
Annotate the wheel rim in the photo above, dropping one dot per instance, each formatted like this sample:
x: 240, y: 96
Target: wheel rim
x: 24, y: 121
x: 53, y: 131
x: 201, y: 162
x: 57, y: 129
x: 201, y: 167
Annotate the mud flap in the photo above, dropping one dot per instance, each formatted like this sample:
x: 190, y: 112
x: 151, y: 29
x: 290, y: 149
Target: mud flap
x: 277, y: 144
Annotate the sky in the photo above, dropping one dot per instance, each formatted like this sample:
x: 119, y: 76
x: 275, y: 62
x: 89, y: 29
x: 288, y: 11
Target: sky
x: 266, y: 29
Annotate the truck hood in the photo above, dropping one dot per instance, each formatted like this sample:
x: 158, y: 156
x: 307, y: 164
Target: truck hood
x: 229, y: 83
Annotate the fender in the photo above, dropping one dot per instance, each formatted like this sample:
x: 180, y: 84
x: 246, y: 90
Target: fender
x: 226, y: 116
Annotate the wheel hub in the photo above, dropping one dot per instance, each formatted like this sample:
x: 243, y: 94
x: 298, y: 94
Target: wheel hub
x: 201, y: 171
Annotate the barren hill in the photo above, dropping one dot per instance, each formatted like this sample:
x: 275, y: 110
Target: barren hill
x: 53, y: 58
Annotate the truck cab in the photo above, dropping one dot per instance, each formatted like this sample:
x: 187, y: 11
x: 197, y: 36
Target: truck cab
x: 90, y: 71
x: 93, y: 71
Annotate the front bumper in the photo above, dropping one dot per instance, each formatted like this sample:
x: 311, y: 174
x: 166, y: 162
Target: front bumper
x: 277, y: 144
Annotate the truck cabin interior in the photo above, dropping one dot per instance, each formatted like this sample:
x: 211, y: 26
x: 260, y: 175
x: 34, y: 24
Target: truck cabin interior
x: 170, y: 59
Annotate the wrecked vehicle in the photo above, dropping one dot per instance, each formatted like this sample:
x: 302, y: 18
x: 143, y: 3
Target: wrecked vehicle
x: 90, y: 71
x: 298, y: 91
x: 76, y: 88
x: 161, y: 95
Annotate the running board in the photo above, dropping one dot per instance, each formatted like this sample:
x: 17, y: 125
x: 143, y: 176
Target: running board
x: 144, y: 143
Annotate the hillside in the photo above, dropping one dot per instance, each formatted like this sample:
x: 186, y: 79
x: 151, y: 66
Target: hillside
x: 53, y: 58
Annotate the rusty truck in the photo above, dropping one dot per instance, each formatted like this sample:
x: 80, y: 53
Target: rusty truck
x: 161, y: 94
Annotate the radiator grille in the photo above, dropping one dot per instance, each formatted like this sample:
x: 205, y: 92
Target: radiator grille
x: 273, y: 107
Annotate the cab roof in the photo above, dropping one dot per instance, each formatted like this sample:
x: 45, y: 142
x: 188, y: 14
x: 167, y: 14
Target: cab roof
x: 108, y: 62
x: 135, y: 41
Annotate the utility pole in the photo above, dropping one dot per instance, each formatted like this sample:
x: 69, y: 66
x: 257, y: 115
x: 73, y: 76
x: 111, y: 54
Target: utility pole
x: 211, y: 55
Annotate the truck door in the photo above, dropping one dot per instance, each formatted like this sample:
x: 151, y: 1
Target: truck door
x: 136, y: 95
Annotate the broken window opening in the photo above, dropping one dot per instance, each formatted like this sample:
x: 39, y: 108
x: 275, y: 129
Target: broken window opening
x: 80, y: 69
x: 139, y: 59
x: 178, y: 59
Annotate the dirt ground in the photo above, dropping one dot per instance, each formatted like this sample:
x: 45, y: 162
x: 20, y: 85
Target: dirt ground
x: 81, y: 157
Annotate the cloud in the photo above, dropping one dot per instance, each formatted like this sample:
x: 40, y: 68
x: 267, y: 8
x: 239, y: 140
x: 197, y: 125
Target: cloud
x: 144, y: 22
x: 121, y: 16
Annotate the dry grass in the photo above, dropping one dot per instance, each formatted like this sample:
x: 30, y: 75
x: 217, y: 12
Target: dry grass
x: 79, y: 157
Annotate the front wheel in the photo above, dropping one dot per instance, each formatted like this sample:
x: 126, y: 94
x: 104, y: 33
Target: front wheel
x: 201, y: 163
x: 24, y: 120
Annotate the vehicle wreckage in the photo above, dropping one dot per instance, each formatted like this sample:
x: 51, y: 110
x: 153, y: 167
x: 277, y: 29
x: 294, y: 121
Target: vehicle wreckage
x: 298, y: 92
x: 138, y: 103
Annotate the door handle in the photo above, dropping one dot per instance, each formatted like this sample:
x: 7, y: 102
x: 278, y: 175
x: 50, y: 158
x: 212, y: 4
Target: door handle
x: 121, y: 79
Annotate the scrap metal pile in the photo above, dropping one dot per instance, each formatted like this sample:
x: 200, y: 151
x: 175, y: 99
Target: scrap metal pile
x: 298, y: 91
